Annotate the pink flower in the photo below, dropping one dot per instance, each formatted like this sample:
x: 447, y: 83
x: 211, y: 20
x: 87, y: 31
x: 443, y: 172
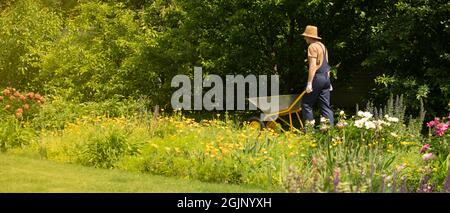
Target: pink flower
x: 433, y: 122
x: 441, y: 128
x: 448, y: 116
x: 427, y: 156
x: 424, y: 148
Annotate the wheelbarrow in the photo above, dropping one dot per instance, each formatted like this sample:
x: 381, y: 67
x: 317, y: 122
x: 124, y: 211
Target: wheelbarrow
x: 288, y: 105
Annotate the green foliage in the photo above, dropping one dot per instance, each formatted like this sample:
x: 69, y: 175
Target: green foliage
x: 97, y: 50
x: 98, y: 54
x: 28, y: 30
x: 103, y: 150
x: 13, y: 133
x: 97, y: 142
x: 59, y: 112
x: 410, y: 38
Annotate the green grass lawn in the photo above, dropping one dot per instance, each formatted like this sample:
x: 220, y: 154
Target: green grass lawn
x: 26, y: 174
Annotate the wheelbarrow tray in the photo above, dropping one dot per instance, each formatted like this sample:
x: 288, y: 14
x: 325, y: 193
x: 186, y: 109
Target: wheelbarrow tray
x: 268, y: 104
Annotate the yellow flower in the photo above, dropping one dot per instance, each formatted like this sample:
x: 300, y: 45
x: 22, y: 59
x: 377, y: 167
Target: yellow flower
x: 263, y: 150
x: 406, y: 143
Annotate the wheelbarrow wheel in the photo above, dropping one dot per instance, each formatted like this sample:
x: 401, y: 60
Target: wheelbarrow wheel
x: 255, y: 122
x: 271, y: 125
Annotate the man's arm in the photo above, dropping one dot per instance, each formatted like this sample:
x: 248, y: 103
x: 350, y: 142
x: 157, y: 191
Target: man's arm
x: 311, y: 72
x: 312, y: 69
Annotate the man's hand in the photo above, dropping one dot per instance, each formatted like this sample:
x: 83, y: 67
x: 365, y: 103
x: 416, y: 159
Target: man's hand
x: 331, y: 88
x: 309, y: 87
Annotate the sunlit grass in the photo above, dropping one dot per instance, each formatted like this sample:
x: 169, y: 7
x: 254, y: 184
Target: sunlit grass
x: 27, y: 174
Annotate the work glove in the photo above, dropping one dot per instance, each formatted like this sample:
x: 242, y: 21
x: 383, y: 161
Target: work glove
x: 331, y: 88
x: 309, y: 87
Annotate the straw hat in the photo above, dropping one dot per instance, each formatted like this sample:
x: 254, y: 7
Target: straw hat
x: 311, y: 31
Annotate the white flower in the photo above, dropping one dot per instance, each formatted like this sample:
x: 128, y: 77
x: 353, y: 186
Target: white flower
x: 365, y: 114
x: 381, y: 122
x: 392, y: 119
x: 323, y: 120
x: 360, y: 114
x: 370, y: 125
x: 359, y: 123
x: 341, y: 113
x: 311, y: 122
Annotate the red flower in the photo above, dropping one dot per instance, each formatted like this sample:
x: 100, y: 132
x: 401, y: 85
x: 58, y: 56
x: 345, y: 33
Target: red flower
x: 42, y: 100
x: 22, y: 98
x: 18, y: 115
x: 30, y: 95
x: 424, y: 148
x: 37, y: 96
x: 19, y: 110
x: 1, y: 98
x: 17, y: 94
x: 6, y: 92
x: 26, y: 107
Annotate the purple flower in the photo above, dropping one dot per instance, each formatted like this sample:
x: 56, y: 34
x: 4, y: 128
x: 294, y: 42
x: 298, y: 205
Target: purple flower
x: 424, y: 148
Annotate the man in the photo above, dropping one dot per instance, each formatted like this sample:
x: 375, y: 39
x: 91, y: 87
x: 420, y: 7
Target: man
x: 318, y: 87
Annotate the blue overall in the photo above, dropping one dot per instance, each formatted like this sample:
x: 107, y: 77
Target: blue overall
x: 321, y: 92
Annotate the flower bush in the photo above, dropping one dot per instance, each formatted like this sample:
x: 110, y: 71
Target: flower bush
x: 22, y: 105
x: 439, y: 136
x: 16, y: 111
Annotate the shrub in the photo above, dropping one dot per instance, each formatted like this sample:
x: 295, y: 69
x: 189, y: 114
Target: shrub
x: 99, y: 143
x: 13, y: 134
x: 59, y: 112
x: 22, y: 105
